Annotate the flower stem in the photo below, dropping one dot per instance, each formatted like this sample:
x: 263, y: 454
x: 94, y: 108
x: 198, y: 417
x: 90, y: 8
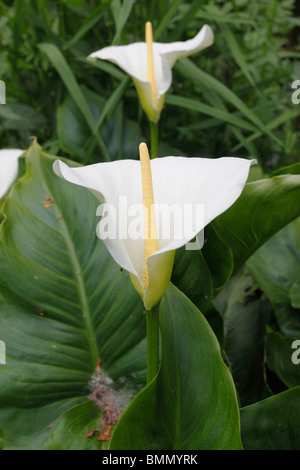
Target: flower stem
x: 152, y: 343
x: 154, y: 139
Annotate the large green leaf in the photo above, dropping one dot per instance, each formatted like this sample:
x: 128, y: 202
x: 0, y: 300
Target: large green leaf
x: 64, y: 303
x: 274, y: 423
x: 276, y: 268
x: 192, y: 277
x: 218, y: 257
x: 288, y: 170
x: 264, y: 207
x: 191, y: 404
x: 245, y: 311
x: 74, y: 426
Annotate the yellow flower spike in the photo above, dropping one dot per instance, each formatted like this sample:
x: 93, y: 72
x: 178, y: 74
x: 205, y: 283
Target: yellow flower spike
x: 151, y: 76
x: 150, y: 230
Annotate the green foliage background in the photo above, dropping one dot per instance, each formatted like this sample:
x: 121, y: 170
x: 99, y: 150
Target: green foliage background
x: 233, y: 98
x: 246, y: 76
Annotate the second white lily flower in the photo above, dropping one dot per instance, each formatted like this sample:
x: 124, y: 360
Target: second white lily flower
x: 150, y: 65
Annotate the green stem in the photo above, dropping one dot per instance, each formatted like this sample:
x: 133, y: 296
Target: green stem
x: 154, y: 139
x: 152, y: 343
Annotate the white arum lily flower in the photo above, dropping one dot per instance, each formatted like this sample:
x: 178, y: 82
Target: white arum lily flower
x: 188, y: 185
x: 150, y: 64
x: 9, y: 165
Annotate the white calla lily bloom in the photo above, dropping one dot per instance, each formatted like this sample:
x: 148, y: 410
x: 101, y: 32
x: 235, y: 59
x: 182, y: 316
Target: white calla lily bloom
x: 211, y: 184
x: 9, y: 165
x: 150, y: 65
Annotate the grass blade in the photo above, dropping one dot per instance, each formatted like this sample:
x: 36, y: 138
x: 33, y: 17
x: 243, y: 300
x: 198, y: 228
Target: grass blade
x: 91, y: 20
x: 61, y: 65
x: 209, y: 111
x: 121, y: 16
x: 188, y: 68
x: 237, y: 53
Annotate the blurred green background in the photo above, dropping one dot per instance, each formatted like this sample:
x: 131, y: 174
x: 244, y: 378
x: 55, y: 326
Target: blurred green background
x: 233, y: 98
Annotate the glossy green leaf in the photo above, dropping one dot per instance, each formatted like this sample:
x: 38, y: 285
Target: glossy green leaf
x: 288, y: 170
x: 276, y: 267
x: 64, y: 303
x: 74, y: 426
x: 218, y: 257
x: 245, y: 311
x: 192, y: 277
x: 264, y: 207
x: 274, y: 423
x: 191, y: 404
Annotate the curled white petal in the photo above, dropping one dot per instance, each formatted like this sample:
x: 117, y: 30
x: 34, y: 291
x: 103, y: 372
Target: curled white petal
x: 177, y: 50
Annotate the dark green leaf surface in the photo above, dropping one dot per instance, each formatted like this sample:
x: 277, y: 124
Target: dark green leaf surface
x: 192, y: 277
x: 274, y: 423
x: 245, y: 312
x: 218, y: 257
x: 276, y: 267
x: 74, y: 426
x: 75, y: 137
x: 191, y: 404
x: 264, y: 207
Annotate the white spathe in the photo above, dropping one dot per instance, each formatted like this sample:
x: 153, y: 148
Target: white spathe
x: 9, y: 165
x: 211, y: 184
x: 132, y: 58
